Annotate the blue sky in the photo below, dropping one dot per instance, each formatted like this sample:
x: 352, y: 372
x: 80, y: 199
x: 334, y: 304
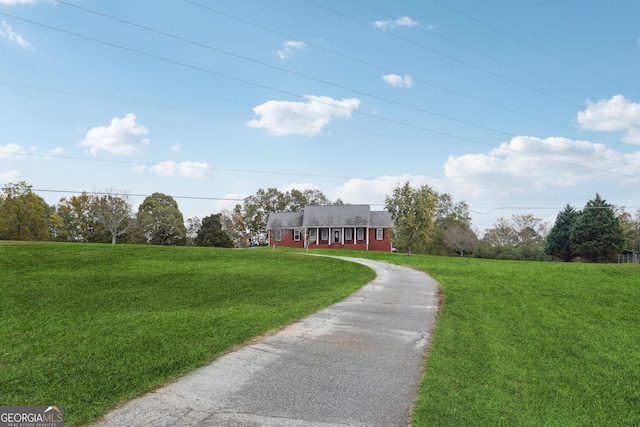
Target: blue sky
x: 514, y: 107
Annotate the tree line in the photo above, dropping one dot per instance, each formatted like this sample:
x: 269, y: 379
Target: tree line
x: 426, y: 222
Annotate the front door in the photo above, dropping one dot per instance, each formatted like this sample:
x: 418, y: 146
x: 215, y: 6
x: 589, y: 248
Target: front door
x: 336, y: 236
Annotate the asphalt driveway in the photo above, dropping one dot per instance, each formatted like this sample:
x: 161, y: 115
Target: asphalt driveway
x: 355, y: 363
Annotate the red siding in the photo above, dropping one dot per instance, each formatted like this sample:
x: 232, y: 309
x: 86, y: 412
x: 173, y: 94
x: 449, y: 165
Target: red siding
x: 383, y: 245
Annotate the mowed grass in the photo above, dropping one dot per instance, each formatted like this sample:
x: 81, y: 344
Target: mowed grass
x: 88, y: 325
x: 531, y: 344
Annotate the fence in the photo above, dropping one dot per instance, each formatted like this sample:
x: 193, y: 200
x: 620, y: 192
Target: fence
x: 628, y: 257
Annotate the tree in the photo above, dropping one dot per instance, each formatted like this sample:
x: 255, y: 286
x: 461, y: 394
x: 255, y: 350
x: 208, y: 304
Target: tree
x: 251, y: 218
x: 113, y: 210
x: 193, y: 228
x: 447, y: 214
x: 460, y: 239
x: 631, y: 226
x: 502, y: 234
x: 233, y: 223
x: 160, y: 220
x: 412, y: 212
x: 520, y: 230
x: 212, y: 234
x: 597, y: 234
x: 78, y: 216
x: 558, y: 242
x: 23, y: 214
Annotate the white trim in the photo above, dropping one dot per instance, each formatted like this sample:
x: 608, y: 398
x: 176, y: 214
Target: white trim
x: 348, y: 230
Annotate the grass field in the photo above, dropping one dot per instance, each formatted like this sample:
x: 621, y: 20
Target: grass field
x: 516, y: 343
x: 531, y: 344
x: 86, y: 326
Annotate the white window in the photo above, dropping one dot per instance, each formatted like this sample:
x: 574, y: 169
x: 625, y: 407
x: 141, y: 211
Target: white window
x: 348, y: 234
x: 379, y: 233
x: 312, y: 235
x: 360, y: 233
x: 280, y: 233
x: 324, y: 234
x: 296, y: 235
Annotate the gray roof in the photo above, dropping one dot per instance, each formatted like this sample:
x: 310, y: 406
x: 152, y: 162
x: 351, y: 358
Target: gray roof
x: 284, y: 220
x: 336, y: 216
x: 381, y: 219
x: 331, y: 216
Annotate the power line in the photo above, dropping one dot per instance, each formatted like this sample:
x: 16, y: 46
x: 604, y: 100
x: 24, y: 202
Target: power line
x: 531, y: 45
x: 468, y: 64
x: 415, y: 79
x: 473, y: 210
x: 377, y: 117
x: 422, y: 110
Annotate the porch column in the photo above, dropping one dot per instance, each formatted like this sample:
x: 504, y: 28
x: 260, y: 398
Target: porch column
x: 355, y: 236
x: 317, y: 236
x: 342, y: 236
x: 330, y: 236
x: 367, y: 238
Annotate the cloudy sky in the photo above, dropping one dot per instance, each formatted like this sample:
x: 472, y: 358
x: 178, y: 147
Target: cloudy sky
x: 514, y: 107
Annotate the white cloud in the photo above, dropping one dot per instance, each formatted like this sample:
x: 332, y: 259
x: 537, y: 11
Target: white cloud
x: 195, y: 170
x: 11, y: 150
x: 615, y: 114
x: 405, y: 21
x: 290, y: 47
x: 7, y: 32
x: 123, y: 136
x: 14, y: 2
x: 301, y: 186
x: 282, y: 118
x: 9, y: 176
x: 373, y: 191
x: 139, y: 167
x: 56, y: 151
x: 535, y: 163
x: 397, y: 80
x: 230, y: 200
x: 175, y: 148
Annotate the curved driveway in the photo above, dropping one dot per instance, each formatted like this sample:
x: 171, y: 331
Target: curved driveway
x: 355, y: 363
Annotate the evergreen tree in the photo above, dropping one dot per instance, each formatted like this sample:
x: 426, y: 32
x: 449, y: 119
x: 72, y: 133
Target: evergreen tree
x: 597, y: 234
x: 558, y: 243
x: 212, y: 234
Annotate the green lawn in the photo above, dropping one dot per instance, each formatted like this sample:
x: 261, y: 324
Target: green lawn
x: 88, y: 325
x: 516, y: 343
x: 531, y: 344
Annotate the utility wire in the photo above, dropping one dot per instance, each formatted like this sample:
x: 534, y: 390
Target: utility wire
x: 377, y: 117
x: 417, y: 79
x: 460, y: 61
x: 474, y: 210
x: 493, y: 58
x: 422, y: 110
x: 532, y: 46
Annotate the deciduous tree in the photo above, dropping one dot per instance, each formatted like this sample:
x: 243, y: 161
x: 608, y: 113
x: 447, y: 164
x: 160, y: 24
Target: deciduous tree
x: 114, y: 211
x: 460, y: 239
x: 23, y: 214
x: 412, y: 211
x: 160, y: 220
x: 79, y: 218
